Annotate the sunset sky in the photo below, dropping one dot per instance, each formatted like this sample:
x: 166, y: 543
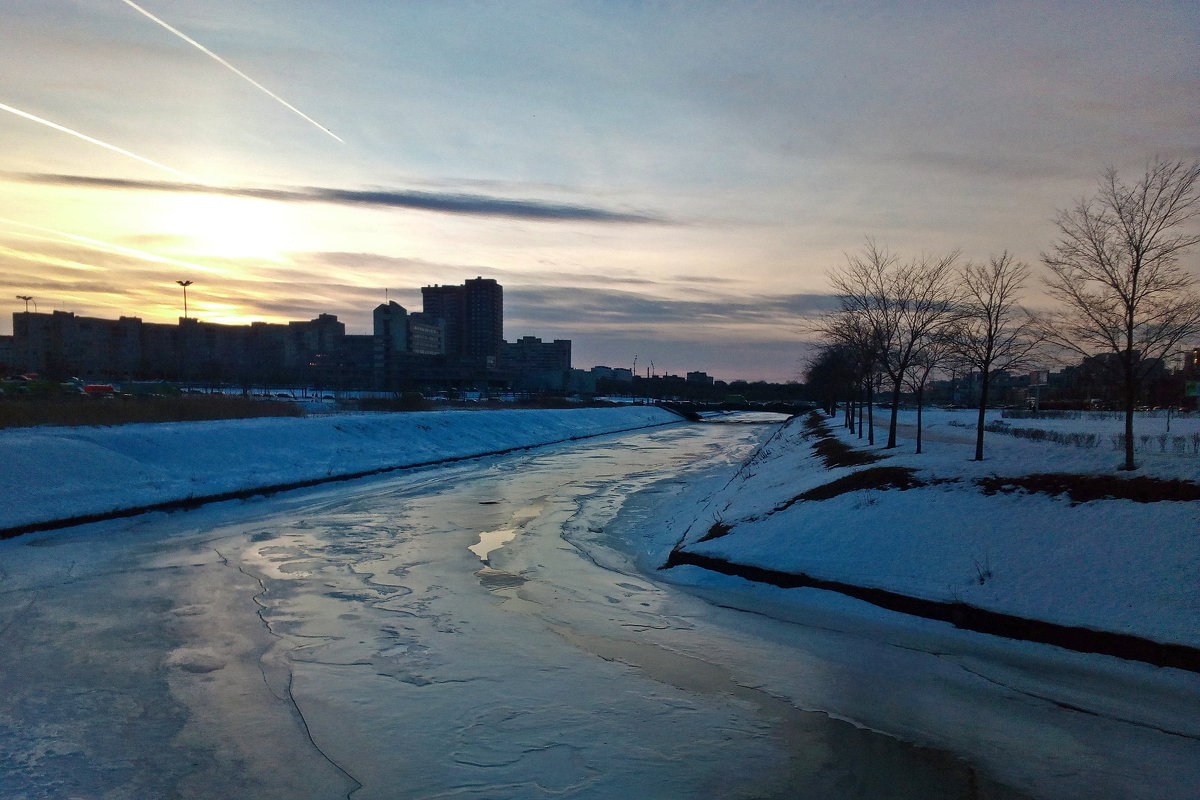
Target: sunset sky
x: 671, y: 180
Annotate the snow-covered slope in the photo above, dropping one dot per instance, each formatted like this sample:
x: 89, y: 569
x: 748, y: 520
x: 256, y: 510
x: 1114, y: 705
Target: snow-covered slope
x: 1109, y: 564
x: 58, y: 473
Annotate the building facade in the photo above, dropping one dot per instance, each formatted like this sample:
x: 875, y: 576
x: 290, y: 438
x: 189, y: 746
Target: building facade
x: 473, y: 314
x: 456, y: 342
x: 445, y: 303
x: 483, y: 320
x: 531, y: 354
x: 405, y: 346
x: 61, y: 345
x: 617, y: 374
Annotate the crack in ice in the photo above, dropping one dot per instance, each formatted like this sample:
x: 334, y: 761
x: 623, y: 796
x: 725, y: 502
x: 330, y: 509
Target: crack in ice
x: 290, y: 697
x: 1079, y: 709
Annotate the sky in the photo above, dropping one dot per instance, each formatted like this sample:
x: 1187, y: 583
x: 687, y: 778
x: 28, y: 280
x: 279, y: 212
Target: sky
x: 671, y: 181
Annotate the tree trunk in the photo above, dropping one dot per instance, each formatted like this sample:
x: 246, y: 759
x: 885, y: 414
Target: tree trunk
x: 920, y: 395
x: 983, y: 398
x: 871, y: 411
x: 895, y: 410
x: 1130, y: 400
x: 861, y: 389
x: 1129, y: 436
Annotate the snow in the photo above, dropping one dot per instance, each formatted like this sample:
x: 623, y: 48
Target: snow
x: 1113, y: 565
x: 61, y: 472
x: 194, y: 654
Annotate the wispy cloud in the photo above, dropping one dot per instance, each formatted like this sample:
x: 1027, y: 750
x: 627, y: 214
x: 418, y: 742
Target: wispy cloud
x: 730, y: 336
x: 108, y: 283
x: 96, y: 244
x: 443, y: 202
x: 565, y: 303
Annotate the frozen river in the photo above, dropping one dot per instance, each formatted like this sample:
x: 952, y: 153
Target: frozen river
x: 488, y: 630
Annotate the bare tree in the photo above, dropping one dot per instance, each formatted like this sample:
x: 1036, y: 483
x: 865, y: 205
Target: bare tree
x: 993, y: 333
x: 900, y: 304
x: 935, y: 353
x: 832, y: 376
x: 1115, y: 268
x: 851, y: 336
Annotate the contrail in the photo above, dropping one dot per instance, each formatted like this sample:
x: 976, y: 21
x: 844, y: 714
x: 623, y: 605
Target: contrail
x: 41, y: 259
x: 231, y: 68
x: 87, y: 138
x: 109, y: 247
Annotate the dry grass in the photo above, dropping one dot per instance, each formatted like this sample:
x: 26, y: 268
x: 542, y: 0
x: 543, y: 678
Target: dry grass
x: 901, y: 478
x: 719, y: 528
x: 836, y: 453
x: 27, y: 412
x: 832, y: 450
x: 1083, y: 488
x: 879, y: 478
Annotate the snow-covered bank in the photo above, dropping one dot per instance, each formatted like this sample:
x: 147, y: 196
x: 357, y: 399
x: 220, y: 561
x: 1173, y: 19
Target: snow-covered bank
x: 59, y: 473
x: 1110, y: 565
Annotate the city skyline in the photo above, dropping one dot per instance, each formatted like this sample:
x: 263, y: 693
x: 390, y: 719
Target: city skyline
x: 437, y: 308
x: 454, y: 343
x: 669, y: 181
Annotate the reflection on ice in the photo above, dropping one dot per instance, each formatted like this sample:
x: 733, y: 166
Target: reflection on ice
x: 495, y: 579
x: 492, y: 540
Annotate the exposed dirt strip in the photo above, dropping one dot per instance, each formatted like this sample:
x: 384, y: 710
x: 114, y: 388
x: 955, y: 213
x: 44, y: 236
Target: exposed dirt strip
x: 961, y: 615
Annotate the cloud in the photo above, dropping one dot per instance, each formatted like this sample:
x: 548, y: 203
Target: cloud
x: 728, y: 334
x: 777, y: 359
x: 586, y: 309
x: 441, y: 202
x: 1016, y: 166
x: 118, y: 284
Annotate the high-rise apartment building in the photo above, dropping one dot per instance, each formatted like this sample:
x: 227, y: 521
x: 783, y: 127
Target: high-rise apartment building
x: 474, y: 316
x: 445, y: 303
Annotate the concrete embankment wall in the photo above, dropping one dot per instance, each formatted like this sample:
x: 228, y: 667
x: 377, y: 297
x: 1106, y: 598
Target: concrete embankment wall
x: 51, y: 477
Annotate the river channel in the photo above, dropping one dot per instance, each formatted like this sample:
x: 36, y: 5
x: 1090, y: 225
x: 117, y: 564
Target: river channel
x: 489, y: 629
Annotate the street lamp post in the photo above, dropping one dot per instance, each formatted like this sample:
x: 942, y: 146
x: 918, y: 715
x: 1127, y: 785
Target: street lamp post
x: 184, y: 284
x: 27, y: 298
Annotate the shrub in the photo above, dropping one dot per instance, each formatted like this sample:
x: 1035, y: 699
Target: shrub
x: 1073, y: 439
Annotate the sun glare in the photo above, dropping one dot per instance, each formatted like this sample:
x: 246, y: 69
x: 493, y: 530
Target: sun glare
x: 228, y: 227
